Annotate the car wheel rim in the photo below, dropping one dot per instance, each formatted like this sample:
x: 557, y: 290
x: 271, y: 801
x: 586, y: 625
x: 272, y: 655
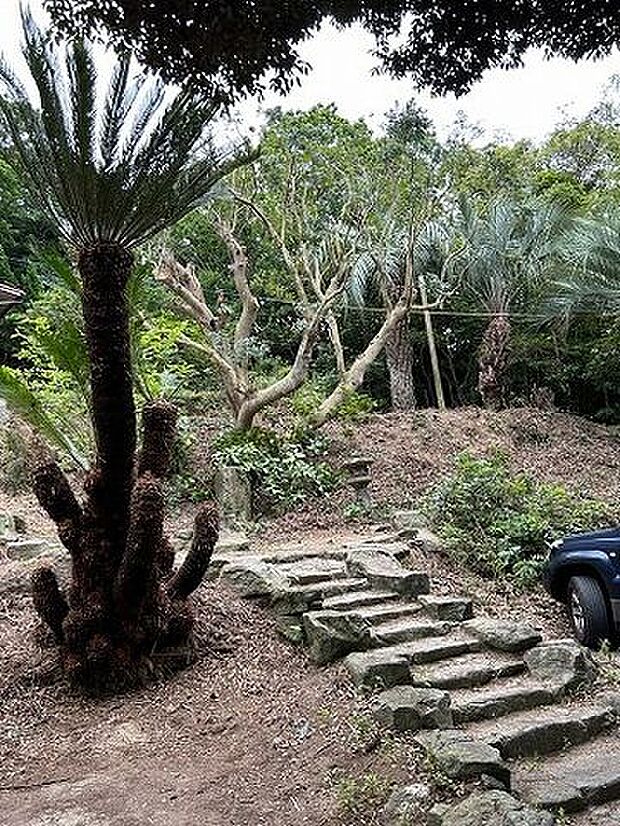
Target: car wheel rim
x: 577, y: 615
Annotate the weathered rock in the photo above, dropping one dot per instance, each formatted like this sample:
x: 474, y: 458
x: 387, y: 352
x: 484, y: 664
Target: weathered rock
x: 8, y: 527
x: 561, y: 663
x: 30, y: 548
x: 543, y: 730
x: 461, y: 757
x: 333, y: 634
x: 234, y: 496
x: 406, y: 804
x: 235, y: 542
x: 453, y: 609
x: 503, y: 635
x: 499, y: 699
x: 307, y: 570
x: 383, y: 570
x: 297, y: 599
x: 253, y: 578
x: 468, y: 671
x: 378, y: 669
x: 291, y: 628
x: 404, y: 708
x: 494, y: 808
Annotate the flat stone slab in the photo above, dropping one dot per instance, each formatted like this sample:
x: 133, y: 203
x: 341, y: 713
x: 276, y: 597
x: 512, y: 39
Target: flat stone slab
x: 359, y: 599
x: 252, y: 577
x: 467, y: 671
x: 311, y: 569
x: 333, y: 634
x: 503, y: 635
x: 405, y: 708
x: 493, y: 808
x: 26, y: 548
x: 382, y: 668
x: 454, y: 609
x: 582, y: 776
x: 458, y: 756
x: 391, y: 665
x: 543, y: 730
x: 497, y: 700
x: 383, y: 570
x: 406, y: 629
x: 297, y: 599
x: 563, y: 663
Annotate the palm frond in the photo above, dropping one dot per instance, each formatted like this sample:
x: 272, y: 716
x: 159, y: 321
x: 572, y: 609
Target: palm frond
x: 23, y: 402
x: 119, y: 172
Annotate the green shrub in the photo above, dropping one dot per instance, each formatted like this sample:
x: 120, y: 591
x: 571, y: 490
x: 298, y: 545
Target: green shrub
x: 499, y: 523
x: 284, y: 472
x: 355, y: 407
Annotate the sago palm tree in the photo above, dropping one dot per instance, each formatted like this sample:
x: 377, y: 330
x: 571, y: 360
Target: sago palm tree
x: 512, y: 252
x: 112, y: 164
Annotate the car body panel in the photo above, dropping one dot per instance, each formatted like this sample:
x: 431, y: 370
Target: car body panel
x: 595, y: 554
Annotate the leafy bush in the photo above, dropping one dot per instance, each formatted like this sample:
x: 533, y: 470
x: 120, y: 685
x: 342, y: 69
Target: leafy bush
x: 283, y: 471
x: 355, y: 406
x: 499, y: 523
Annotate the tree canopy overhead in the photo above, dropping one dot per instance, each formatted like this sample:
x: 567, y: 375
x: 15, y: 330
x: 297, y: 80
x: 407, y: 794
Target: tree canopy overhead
x: 447, y: 44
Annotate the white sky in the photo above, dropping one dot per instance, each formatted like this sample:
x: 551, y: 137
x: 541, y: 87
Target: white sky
x: 524, y: 102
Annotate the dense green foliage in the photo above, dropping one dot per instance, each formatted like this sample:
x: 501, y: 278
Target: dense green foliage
x: 447, y: 44
x: 284, y: 471
x: 499, y: 523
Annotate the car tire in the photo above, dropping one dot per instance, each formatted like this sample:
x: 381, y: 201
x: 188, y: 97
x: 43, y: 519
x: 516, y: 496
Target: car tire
x: 587, y: 609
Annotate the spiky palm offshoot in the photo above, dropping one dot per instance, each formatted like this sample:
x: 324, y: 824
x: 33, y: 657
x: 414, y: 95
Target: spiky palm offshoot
x: 111, y: 176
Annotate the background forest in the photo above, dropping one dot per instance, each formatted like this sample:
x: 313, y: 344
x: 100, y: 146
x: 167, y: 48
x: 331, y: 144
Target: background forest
x: 514, y: 249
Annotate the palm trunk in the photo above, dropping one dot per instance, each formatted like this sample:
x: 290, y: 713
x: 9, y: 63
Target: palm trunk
x: 493, y: 361
x: 399, y: 358
x: 105, y: 271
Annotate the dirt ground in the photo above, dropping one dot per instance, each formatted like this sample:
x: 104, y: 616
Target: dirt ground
x: 251, y: 735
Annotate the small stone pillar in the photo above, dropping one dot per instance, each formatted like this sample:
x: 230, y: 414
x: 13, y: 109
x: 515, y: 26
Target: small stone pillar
x: 358, y: 469
x: 234, y: 497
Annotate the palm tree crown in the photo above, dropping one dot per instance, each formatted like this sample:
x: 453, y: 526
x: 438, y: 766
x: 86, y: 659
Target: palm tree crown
x: 112, y: 162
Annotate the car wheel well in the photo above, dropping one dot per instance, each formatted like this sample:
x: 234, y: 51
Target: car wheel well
x: 560, y: 586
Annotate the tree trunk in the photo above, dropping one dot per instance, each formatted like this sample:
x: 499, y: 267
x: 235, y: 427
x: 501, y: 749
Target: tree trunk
x: 125, y: 606
x: 399, y: 358
x: 105, y: 272
x: 493, y: 360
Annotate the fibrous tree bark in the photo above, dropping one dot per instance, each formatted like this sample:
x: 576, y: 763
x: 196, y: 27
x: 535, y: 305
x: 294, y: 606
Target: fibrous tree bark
x: 125, y: 606
x: 493, y: 360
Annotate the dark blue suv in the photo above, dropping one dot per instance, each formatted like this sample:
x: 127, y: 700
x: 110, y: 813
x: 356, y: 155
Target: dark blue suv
x: 583, y: 571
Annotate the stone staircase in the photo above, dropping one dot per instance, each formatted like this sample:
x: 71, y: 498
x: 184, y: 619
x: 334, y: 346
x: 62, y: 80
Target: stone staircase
x: 488, y: 699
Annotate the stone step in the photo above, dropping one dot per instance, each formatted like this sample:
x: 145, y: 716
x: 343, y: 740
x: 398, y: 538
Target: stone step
x: 311, y: 570
x: 453, y: 609
x: 499, y: 699
x: 391, y: 666
x: 579, y: 777
x: 405, y: 630
x: 541, y: 731
x: 385, y: 612
x: 300, y: 598
x: 359, y: 599
x: 468, y: 671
